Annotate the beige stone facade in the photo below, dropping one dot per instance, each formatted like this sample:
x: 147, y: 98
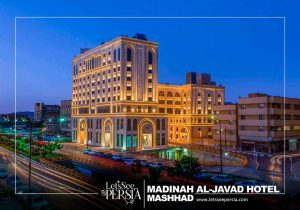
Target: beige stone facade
x: 118, y: 103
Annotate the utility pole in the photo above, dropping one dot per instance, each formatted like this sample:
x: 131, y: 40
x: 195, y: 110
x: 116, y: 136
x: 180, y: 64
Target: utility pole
x: 225, y: 136
x: 221, y: 152
x: 29, y: 166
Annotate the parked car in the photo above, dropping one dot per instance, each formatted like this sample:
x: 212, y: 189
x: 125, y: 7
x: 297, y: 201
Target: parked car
x: 88, y: 152
x: 202, y: 175
x: 98, y: 154
x: 129, y: 161
x: 126, y: 158
x: 106, y: 155
x: 222, y: 179
x: 154, y: 164
x: 143, y: 162
x: 116, y: 157
x: 3, y: 173
x: 248, y: 183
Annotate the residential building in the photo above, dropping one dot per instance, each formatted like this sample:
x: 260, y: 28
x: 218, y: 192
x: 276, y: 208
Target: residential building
x: 43, y: 112
x: 65, y: 118
x: 118, y: 103
x: 226, y: 126
x: 264, y: 121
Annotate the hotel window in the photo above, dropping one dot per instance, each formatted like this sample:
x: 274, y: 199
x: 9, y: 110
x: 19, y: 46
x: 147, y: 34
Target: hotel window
x: 115, y: 55
x: 261, y: 105
x: 158, y: 139
x: 169, y: 94
x: 161, y: 94
x: 128, y: 124
x: 119, y: 54
x: 150, y: 59
x: 261, y: 117
x: 161, y: 110
x: 163, y: 124
x: 243, y: 127
x: 158, y: 124
x: 261, y: 128
x: 129, y: 54
x: 163, y: 139
x: 134, y: 124
x: 243, y: 106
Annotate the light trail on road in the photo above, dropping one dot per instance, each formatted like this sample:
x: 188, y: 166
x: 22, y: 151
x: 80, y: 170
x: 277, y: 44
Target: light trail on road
x: 57, y: 181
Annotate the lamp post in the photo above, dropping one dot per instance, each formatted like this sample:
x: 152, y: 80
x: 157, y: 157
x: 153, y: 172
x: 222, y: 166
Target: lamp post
x: 29, y: 165
x: 61, y: 120
x: 221, y: 150
x: 225, y: 137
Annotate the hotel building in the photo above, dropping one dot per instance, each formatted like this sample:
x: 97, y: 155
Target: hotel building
x: 118, y: 103
x: 261, y: 125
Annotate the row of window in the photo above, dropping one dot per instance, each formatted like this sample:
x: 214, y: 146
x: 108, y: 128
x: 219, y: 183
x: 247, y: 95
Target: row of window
x: 272, y: 105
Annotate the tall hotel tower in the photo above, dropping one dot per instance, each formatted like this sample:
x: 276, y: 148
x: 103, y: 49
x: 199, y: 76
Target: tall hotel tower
x: 118, y: 103
x: 114, y: 99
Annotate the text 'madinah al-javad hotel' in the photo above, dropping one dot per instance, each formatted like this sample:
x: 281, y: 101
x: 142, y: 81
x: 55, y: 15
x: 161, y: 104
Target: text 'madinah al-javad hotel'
x: 118, y: 103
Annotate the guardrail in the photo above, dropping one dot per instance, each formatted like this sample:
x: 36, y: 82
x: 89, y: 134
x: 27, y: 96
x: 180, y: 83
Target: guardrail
x: 212, y: 150
x: 68, y: 171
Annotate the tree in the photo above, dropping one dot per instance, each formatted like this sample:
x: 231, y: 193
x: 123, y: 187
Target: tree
x: 51, y: 147
x: 154, y: 173
x: 23, y: 145
x: 185, y: 167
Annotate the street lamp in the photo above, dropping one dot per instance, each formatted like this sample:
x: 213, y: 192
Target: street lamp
x: 29, y: 166
x: 221, y: 151
x: 61, y: 120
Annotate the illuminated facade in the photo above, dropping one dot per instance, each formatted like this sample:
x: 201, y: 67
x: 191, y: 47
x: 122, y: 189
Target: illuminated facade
x: 118, y: 103
x: 189, y: 108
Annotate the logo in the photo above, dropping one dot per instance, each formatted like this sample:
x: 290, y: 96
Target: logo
x: 121, y: 191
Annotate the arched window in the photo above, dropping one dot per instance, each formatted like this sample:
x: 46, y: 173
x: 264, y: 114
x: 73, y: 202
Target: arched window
x: 134, y: 124
x: 177, y: 94
x: 128, y: 54
x: 115, y: 55
x: 150, y: 59
x: 128, y: 124
x: 119, y: 54
x: 169, y: 94
x: 161, y: 94
x: 158, y: 124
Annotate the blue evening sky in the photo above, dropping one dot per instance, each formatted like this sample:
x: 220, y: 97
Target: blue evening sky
x: 244, y: 55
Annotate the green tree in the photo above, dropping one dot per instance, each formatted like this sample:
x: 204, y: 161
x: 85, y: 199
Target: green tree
x: 154, y: 174
x: 185, y: 167
x: 23, y: 145
x: 50, y: 148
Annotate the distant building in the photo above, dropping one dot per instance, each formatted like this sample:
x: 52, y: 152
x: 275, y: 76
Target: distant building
x: 261, y: 125
x: 44, y: 112
x: 226, y: 122
x: 65, y: 118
